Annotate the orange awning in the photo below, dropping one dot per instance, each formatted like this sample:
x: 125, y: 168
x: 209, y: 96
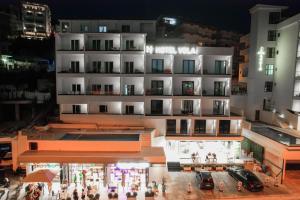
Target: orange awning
x: 43, y: 176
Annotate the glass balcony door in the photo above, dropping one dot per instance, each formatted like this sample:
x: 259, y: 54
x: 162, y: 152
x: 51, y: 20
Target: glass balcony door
x: 129, y: 110
x: 187, y: 87
x: 188, y: 66
x: 76, y: 109
x: 75, y: 45
x: 109, y: 67
x: 96, y: 45
x: 218, y: 107
x: 109, y: 45
x: 157, y: 66
x: 129, y: 68
x: 187, y: 107
x: 220, y: 67
x: 108, y: 89
x: 129, y: 90
x: 157, y: 107
x: 219, y: 88
x: 75, y: 66
x: 157, y: 87
x: 183, y: 126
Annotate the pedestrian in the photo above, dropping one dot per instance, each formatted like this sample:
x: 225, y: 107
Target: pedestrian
x: 239, y: 186
x: 189, y: 189
x: 75, y: 195
x: 221, y: 186
x: 82, y: 194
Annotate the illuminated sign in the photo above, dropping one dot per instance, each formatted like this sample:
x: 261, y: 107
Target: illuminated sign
x: 261, y: 54
x: 171, y: 50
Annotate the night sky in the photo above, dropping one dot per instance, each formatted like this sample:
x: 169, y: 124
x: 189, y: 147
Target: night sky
x: 225, y: 14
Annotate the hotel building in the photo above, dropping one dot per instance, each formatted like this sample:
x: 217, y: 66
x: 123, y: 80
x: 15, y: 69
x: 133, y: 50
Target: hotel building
x: 114, y: 74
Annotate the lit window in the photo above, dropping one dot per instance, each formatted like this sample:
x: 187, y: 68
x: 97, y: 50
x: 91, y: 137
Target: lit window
x: 269, y: 69
x: 102, y: 29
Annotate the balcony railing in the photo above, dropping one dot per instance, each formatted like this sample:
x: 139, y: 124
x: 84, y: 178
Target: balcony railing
x: 133, y: 49
x: 206, y: 72
x: 156, y: 91
x: 103, y: 49
x: 70, y: 71
x: 105, y: 93
x: 211, y: 93
x: 99, y: 72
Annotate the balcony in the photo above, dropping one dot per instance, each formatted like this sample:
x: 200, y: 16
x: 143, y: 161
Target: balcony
x: 207, y: 72
x: 103, y: 93
x: 156, y: 92
x: 209, y: 93
x: 103, y: 49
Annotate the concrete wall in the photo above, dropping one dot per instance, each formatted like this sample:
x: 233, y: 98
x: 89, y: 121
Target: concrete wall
x: 63, y: 62
x: 115, y: 58
x: 138, y: 83
x: 138, y: 61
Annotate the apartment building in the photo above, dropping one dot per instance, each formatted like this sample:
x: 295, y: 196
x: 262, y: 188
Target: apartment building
x: 36, y: 20
x: 273, y: 62
x: 111, y: 73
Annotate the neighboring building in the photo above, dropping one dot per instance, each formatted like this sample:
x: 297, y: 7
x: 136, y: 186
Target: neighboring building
x: 119, y: 79
x: 36, y: 20
x: 244, y: 59
x: 9, y: 22
x: 273, y: 63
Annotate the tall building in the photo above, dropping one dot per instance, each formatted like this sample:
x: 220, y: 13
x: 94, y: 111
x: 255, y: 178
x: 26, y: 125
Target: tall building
x: 273, y: 63
x: 36, y: 20
x: 110, y: 72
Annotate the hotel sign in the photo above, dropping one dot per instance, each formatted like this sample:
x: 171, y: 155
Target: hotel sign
x: 171, y: 50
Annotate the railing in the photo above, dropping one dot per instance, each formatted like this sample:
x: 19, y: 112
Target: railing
x: 156, y: 91
x: 211, y: 93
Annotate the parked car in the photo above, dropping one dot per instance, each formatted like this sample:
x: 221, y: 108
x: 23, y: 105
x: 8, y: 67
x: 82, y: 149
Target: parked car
x: 249, y: 180
x: 205, y: 180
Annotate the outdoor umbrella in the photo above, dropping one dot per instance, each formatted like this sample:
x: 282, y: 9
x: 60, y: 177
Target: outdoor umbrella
x: 43, y: 176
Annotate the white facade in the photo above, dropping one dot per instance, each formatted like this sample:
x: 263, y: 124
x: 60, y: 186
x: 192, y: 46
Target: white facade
x: 274, y: 59
x: 101, y: 75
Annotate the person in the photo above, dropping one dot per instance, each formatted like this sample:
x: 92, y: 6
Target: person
x: 189, y: 189
x: 75, y: 180
x: 193, y: 157
x: 75, y: 194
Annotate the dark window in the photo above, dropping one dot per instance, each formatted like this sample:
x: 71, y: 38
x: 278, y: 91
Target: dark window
x: 157, y: 87
x: 187, y: 107
x: 188, y: 88
x: 272, y: 35
x: 157, y: 65
x: 125, y: 28
x: 171, y: 126
x: 218, y: 107
x: 84, y: 28
x: 75, y: 66
x: 96, y: 45
x: 200, y: 127
x: 103, y: 108
x: 109, y: 45
x: 129, y: 110
x: 33, y: 146
x: 270, y: 52
x: 76, y: 88
x: 157, y: 107
x: 188, y: 66
x: 224, y: 127
x: 97, y: 66
x: 96, y: 87
x: 76, y: 109
x: 108, y: 89
x: 75, y: 45
x: 219, y: 88
x: 268, y: 86
x: 129, y: 45
x: 220, y: 67
x: 129, y: 68
x: 109, y: 67
x: 274, y: 17
x: 183, y: 126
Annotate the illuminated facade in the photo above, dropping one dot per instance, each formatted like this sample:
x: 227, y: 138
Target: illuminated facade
x: 121, y: 78
x: 36, y: 20
x: 272, y: 80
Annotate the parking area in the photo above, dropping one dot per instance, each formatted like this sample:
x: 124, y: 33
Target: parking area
x: 178, y: 184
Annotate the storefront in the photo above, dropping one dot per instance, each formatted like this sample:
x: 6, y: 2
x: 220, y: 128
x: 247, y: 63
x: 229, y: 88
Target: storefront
x: 203, y: 152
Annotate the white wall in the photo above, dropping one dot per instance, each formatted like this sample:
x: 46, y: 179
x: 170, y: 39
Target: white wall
x: 63, y: 61
x: 138, y: 83
x: 65, y: 41
x: 68, y: 108
x: 65, y: 84
x: 138, y: 107
x: 137, y: 59
x: 207, y: 106
x: 178, y: 62
x: 102, y: 37
x: 208, y: 85
x: 115, y: 58
x: 115, y: 81
x: 168, y: 61
x: 112, y: 107
x: 209, y: 63
x: 138, y: 40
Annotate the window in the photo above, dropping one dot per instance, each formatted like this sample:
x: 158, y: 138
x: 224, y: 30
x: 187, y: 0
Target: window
x: 125, y: 28
x: 218, y: 107
x: 102, y: 29
x: 157, y: 107
x: 96, y: 87
x: 76, y: 88
x: 157, y: 65
x: 274, y: 17
x: 188, y: 88
x: 33, y: 146
x: 109, y: 45
x: 108, y: 89
x: 224, y: 127
x: 76, y: 109
x: 75, y: 45
x: 171, y: 126
x: 270, y: 52
x: 129, y: 110
x: 129, y: 68
x: 183, y: 126
x: 187, y: 107
x: 272, y: 35
x: 220, y: 67
x: 188, y: 66
x: 65, y: 26
x: 96, y: 45
x: 96, y: 66
x: 200, y: 127
x: 103, y: 108
x: 129, y: 45
x: 109, y: 67
x: 84, y: 28
x: 268, y: 86
x: 269, y: 69
x: 128, y: 90
x: 219, y: 88
x: 157, y: 87
x: 75, y: 66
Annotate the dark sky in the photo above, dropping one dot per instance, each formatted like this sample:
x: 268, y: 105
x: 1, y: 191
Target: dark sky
x: 226, y: 14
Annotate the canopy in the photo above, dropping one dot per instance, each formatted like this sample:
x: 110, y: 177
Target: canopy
x: 43, y: 176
